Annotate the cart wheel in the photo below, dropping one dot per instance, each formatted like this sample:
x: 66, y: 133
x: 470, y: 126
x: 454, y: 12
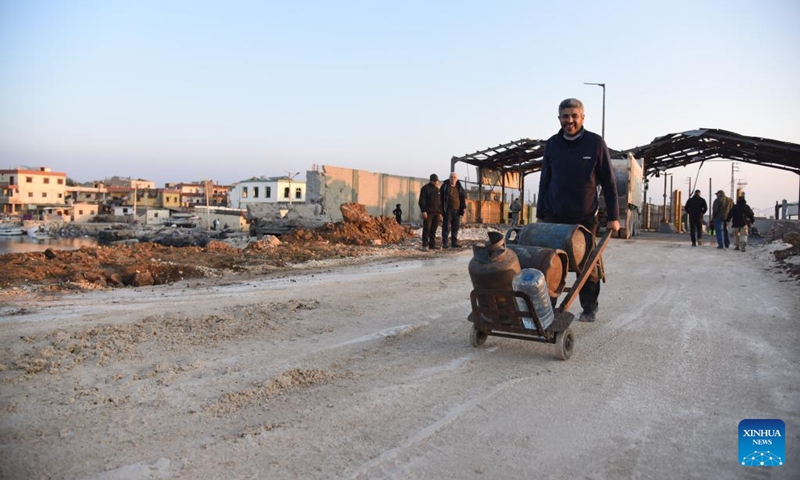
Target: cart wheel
x: 477, y: 338
x: 565, y: 342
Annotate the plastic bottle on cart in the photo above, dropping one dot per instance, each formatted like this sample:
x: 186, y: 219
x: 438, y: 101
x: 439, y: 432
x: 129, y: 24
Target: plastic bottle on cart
x: 533, y: 283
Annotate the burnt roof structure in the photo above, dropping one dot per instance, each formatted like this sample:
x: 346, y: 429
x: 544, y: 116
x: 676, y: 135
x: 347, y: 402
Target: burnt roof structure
x: 681, y: 149
x: 524, y: 156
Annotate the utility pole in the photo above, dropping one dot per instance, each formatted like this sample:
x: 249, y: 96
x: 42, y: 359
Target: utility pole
x: 734, y: 168
x: 603, y: 86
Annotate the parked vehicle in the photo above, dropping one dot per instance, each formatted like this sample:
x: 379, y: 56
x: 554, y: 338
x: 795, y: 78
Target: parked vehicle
x: 630, y: 196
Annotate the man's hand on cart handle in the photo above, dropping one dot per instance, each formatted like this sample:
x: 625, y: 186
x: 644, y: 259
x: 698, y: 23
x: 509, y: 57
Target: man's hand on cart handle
x: 613, y: 225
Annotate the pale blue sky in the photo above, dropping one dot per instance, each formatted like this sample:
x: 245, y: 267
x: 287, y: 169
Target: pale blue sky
x: 186, y: 90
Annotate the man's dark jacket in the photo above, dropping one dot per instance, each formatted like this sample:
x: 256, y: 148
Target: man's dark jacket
x: 429, y: 199
x: 462, y: 197
x: 571, y: 172
x: 696, y: 207
x: 741, y: 214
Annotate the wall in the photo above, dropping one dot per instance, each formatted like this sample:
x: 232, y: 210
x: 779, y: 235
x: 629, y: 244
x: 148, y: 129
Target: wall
x: 378, y: 192
x: 381, y: 192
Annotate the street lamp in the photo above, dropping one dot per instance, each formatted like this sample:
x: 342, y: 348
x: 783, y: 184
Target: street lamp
x: 603, y: 86
x: 291, y: 176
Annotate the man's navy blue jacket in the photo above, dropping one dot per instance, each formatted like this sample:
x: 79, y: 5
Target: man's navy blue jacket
x: 571, y: 172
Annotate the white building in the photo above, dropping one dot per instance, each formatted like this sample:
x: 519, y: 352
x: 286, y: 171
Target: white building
x: 281, y: 190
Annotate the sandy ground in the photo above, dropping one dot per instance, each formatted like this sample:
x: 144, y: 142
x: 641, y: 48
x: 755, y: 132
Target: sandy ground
x: 365, y: 371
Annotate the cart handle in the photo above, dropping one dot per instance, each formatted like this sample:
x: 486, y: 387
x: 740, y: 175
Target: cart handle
x: 591, y: 263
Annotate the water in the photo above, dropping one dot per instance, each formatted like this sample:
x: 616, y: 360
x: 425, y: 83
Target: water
x: 24, y: 243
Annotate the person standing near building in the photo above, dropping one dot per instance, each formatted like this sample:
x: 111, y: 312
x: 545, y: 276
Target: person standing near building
x: 577, y: 161
x: 719, y: 213
x: 430, y: 204
x: 741, y: 217
x: 514, y: 208
x: 695, y: 208
x: 398, y: 214
x: 454, y: 204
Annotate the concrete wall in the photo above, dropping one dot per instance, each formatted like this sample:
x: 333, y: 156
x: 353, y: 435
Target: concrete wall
x: 378, y: 192
x: 381, y: 192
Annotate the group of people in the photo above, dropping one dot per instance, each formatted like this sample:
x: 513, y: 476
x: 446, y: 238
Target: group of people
x: 446, y: 204
x: 723, y: 211
x: 575, y: 163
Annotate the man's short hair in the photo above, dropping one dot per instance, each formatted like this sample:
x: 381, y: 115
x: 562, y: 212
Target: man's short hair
x: 570, y: 103
x: 696, y: 192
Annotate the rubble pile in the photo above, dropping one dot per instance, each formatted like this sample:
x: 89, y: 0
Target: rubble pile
x: 789, y: 233
x: 151, y: 263
x: 358, y: 228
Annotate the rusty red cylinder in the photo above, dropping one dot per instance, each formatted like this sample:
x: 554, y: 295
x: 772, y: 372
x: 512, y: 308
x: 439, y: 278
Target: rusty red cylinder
x: 575, y: 240
x: 552, y: 262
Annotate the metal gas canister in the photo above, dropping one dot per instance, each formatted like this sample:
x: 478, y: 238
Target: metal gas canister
x: 493, y: 266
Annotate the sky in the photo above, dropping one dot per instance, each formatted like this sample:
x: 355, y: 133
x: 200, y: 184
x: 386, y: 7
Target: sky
x: 187, y: 90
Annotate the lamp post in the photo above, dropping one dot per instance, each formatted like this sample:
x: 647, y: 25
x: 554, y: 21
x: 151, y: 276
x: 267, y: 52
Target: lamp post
x: 291, y: 177
x: 603, y: 86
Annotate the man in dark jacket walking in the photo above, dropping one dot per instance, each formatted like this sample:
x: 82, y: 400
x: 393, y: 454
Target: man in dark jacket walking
x: 696, y: 207
x: 741, y: 217
x: 454, y: 204
x: 430, y: 203
x: 575, y: 163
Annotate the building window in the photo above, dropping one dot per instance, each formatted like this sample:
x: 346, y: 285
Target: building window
x: 286, y: 192
x: 60, y: 181
x: 28, y: 179
x: 255, y: 192
x: 60, y: 196
x: 11, y: 180
x: 46, y: 180
x: 244, y: 192
x: 80, y: 212
x: 268, y: 192
x: 30, y: 194
x: 298, y: 193
x: 44, y: 194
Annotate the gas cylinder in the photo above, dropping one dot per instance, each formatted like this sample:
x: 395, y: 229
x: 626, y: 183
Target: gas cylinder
x: 493, y: 266
x: 552, y: 262
x: 576, y: 240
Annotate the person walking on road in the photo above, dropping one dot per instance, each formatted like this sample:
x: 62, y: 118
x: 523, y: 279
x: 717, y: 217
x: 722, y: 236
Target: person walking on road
x: 696, y: 207
x: 719, y: 213
x: 575, y: 162
x: 741, y: 217
x: 430, y: 203
x: 454, y: 204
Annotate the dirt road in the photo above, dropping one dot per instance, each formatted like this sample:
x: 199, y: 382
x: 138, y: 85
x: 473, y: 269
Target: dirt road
x: 366, y: 372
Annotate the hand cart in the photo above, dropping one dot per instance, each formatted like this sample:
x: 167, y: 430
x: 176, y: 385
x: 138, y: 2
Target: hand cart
x: 496, y: 312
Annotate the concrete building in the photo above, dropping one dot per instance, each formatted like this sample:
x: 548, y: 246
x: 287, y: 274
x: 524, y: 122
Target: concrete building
x: 259, y: 190
x: 91, y: 195
x: 30, y: 192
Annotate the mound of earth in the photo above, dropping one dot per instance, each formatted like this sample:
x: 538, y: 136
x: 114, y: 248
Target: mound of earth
x: 153, y: 264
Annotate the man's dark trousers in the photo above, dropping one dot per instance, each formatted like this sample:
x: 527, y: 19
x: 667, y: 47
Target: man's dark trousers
x: 591, y: 289
x: 450, y: 226
x: 695, y: 229
x: 429, y: 226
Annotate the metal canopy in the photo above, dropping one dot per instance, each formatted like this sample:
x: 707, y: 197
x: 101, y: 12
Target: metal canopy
x: 523, y: 156
x: 681, y: 149
x: 663, y: 153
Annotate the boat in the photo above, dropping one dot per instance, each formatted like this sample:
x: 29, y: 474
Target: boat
x: 11, y: 231
x: 37, y: 232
